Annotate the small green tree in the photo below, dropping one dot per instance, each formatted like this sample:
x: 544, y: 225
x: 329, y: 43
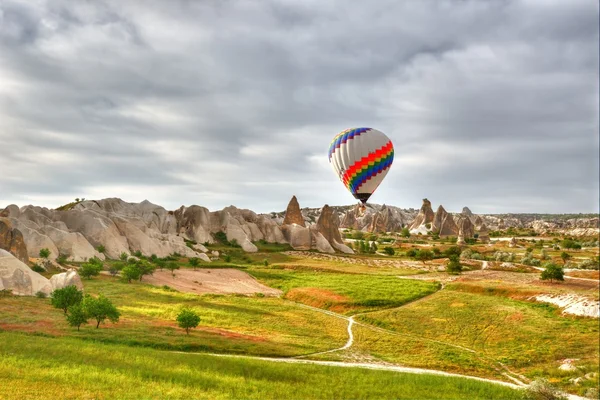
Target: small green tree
x: 565, y: 256
x: 145, y: 268
x: 187, y: 319
x: 424, y: 255
x: 389, y: 250
x: 115, y: 268
x: 405, y: 233
x: 172, y: 266
x: 77, y: 316
x: 101, y: 248
x: 552, y: 272
x: 454, y: 266
x: 123, y: 256
x: 100, y: 309
x: 194, y: 262
x: 130, y: 272
x: 66, y: 297
x: 90, y: 269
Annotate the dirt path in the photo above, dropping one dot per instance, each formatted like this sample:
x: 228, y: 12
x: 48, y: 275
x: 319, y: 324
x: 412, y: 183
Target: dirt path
x: 215, y: 280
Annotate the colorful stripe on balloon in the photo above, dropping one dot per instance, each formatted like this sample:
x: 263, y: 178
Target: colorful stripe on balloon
x: 343, y: 137
x: 368, y: 166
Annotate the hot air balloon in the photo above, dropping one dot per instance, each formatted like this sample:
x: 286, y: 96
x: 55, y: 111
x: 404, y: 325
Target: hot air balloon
x: 361, y: 158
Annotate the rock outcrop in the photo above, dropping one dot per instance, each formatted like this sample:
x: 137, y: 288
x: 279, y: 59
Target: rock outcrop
x: 443, y: 223
x: 424, y: 218
x: 64, y: 279
x: 328, y: 226
x: 484, y: 234
x: 467, y: 213
x: 293, y: 215
x: 12, y: 240
x: 466, y: 229
x: 19, y: 278
x: 478, y: 221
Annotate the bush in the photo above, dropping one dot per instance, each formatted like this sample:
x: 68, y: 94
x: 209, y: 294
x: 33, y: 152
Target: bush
x: 466, y: 255
x: 411, y: 253
x: 138, y: 254
x: 38, y: 268
x: 62, y: 259
x: 194, y: 262
x: 570, y: 244
x: 66, y: 297
x: 234, y: 243
x: 589, y: 264
x: 477, y: 256
x: 544, y: 255
x: 172, y: 266
x: 552, y: 272
x: 452, y: 251
x: 423, y: 255
x: 90, y: 269
x: 454, y: 267
x: 44, y: 253
x: 405, y: 233
x: 101, y: 249
x: 124, y: 256
x: 541, y: 389
x: 130, y: 272
x: 266, y: 262
x: 389, y: 251
x: 227, y: 258
x: 40, y: 295
x: 221, y: 237
x: 187, y: 319
x: 115, y: 268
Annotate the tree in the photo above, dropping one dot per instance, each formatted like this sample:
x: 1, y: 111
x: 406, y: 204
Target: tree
x: 145, y: 268
x: 389, y: 251
x: 187, y: 319
x: 100, y: 309
x: 123, y: 256
x: 194, y: 262
x: 172, y: 266
x: 89, y: 269
x: 452, y: 251
x: 66, y: 297
x: 130, y: 272
x: 454, y: 267
x: 565, y: 256
x: 115, y: 268
x: 553, y: 272
x: 77, y: 316
x: 405, y: 233
x: 101, y: 248
x: 424, y: 255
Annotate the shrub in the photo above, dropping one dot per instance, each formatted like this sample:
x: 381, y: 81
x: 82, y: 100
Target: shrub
x: 466, y: 254
x: 570, y: 244
x: 124, y: 256
x: 221, y: 237
x: 187, y: 319
x: 38, y: 268
x: 138, y: 254
x: 411, y: 253
x: 389, y: 251
x: 423, y: 255
x: 541, y: 389
x: 44, y: 253
x: 115, y: 268
x: 90, y: 269
x: 405, y: 233
x: 100, y: 309
x: 565, y: 256
x: 544, y: 255
x: 477, y: 256
x: 101, y: 249
x: 552, y: 272
x: 227, y: 258
x: 452, y: 251
x: 145, y: 268
x: 234, y: 243
x: 193, y: 262
x: 454, y: 267
x: 589, y: 264
x: 62, y: 259
x: 66, y: 297
x: 266, y: 262
x: 40, y: 295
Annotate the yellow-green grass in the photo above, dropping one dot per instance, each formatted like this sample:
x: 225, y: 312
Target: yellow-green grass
x: 41, y: 368
x: 359, y: 267
x: 230, y: 324
x: 530, y: 338
x: 345, y: 293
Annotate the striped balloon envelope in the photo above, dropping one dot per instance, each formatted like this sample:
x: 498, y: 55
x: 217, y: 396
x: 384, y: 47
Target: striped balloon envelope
x: 361, y: 158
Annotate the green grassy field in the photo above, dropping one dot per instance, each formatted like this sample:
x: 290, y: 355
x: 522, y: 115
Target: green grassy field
x: 345, y: 293
x: 36, y: 367
x: 529, y: 338
x: 232, y: 324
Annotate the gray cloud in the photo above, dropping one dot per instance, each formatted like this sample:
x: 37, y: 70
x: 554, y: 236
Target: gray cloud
x: 493, y: 105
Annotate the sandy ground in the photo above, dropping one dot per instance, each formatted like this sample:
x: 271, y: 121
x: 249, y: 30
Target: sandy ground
x: 219, y: 281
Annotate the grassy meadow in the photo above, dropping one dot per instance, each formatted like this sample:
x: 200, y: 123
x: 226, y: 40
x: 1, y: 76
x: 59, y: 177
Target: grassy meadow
x: 67, y: 368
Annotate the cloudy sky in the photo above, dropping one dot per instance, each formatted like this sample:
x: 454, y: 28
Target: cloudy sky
x: 493, y: 104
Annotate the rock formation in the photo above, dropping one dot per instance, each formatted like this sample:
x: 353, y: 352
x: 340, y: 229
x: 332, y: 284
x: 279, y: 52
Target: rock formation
x: 64, y: 279
x: 327, y: 226
x: 484, y: 234
x: 513, y: 242
x: 424, y: 217
x: 293, y: 215
x: 443, y: 223
x: 478, y: 221
x: 12, y: 240
x: 466, y: 228
x: 19, y: 278
x: 467, y: 213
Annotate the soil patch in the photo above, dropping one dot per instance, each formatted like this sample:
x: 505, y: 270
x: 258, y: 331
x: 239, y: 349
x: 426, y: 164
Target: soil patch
x: 219, y: 281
